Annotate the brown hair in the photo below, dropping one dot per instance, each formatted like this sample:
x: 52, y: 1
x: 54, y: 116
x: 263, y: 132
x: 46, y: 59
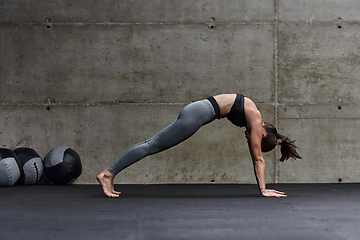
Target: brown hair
x: 288, y: 148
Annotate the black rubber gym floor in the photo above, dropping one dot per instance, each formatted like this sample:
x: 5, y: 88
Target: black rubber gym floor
x: 214, y: 211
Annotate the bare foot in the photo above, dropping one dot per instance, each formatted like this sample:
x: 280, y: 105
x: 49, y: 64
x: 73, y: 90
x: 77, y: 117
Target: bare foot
x: 106, y: 179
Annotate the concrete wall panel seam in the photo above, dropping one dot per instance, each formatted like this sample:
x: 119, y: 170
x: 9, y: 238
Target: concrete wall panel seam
x: 276, y: 68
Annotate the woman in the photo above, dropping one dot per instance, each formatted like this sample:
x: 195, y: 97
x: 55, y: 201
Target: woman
x: 240, y: 110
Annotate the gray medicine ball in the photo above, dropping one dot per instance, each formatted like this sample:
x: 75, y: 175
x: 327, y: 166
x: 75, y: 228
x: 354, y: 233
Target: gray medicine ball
x: 9, y: 167
x: 62, y: 165
x: 30, y: 164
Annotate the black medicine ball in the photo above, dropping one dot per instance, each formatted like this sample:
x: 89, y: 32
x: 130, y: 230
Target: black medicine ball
x: 62, y: 165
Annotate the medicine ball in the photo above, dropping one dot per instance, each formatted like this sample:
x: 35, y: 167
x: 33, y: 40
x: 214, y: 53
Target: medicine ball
x: 9, y: 167
x: 62, y: 165
x: 31, y: 164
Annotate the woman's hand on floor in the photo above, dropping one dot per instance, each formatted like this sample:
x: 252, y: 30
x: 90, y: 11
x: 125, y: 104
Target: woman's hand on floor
x: 272, y: 193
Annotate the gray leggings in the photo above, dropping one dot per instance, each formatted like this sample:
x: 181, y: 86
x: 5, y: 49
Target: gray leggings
x: 191, y: 118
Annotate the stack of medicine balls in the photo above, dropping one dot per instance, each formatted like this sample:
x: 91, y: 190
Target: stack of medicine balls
x: 24, y: 166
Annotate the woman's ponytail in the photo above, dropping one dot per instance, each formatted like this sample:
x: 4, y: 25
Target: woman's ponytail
x: 288, y: 148
x: 269, y: 142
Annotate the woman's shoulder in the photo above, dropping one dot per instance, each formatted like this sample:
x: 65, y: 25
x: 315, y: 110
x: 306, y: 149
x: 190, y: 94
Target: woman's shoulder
x: 248, y: 103
x: 252, y: 113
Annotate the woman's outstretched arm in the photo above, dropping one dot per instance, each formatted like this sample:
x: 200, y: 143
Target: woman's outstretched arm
x: 254, y: 134
x: 259, y: 170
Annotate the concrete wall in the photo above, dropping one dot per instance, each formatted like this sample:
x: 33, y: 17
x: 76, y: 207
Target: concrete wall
x: 100, y: 76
